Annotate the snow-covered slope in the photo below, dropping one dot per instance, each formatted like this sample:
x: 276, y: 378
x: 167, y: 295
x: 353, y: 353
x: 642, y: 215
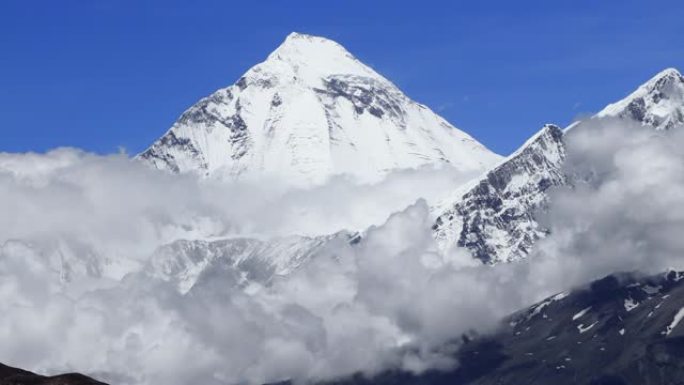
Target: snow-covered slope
x: 242, y: 260
x: 495, y: 217
x: 312, y: 110
x: 494, y: 220
x: 658, y: 103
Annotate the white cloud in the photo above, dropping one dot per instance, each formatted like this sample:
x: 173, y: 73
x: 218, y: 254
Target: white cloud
x: 76, y: 229
x: 626, y: 214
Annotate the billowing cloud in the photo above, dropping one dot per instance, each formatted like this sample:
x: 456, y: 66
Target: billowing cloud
x: 625, y: 211
x: 77, y: 231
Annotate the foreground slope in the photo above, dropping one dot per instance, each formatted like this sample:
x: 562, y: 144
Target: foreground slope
x: 496, y: 218
x: 624, y: 329
x: 15, y: 376
x: 619, y: 330
x: 310, y: 111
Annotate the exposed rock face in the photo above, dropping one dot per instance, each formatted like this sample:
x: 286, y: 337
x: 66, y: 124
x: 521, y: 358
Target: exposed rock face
x: 311, y: 111
x: 622, y: 329
x: 15, y: 376
x: 494, y: 219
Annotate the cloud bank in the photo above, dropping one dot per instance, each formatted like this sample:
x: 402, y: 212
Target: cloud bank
x: 625, y: 211
x: 77, y: 230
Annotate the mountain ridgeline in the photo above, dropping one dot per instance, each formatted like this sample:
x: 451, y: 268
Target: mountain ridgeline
x: 310, y: 111
x: 495, y: 219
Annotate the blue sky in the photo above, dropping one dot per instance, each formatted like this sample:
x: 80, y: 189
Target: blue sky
x: 100, y: 75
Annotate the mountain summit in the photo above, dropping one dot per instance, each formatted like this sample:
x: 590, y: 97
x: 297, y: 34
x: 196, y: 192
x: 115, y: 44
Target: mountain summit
x: 310, y: 59
x: 658, y: 103
x: 312, y: 110
x: 495, y: 218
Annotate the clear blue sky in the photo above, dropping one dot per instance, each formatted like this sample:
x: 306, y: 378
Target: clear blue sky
x: 100, y: 74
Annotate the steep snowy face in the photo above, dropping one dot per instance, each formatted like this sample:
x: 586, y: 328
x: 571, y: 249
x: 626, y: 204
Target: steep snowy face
x: 494, y: 219
x: 658, y: 103
x: 310, y: 111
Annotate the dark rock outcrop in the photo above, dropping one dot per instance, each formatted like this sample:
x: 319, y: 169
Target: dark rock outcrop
x: 15, y: 376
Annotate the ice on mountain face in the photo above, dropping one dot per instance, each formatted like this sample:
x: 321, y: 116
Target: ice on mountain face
x: 658, y: 103
x: 675, y: 321
x: 630, y: 304
x: 581, y: 313
x: 494, y: 220
x: 537, y: 309
x: 581, y: 328
x: 310, y: 111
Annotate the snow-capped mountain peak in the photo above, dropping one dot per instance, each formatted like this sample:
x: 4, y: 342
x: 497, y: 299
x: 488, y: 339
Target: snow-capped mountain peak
x: 658, y: 103
x: 308, y: 112
x: 495, y: 217
x: 312, y: 58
